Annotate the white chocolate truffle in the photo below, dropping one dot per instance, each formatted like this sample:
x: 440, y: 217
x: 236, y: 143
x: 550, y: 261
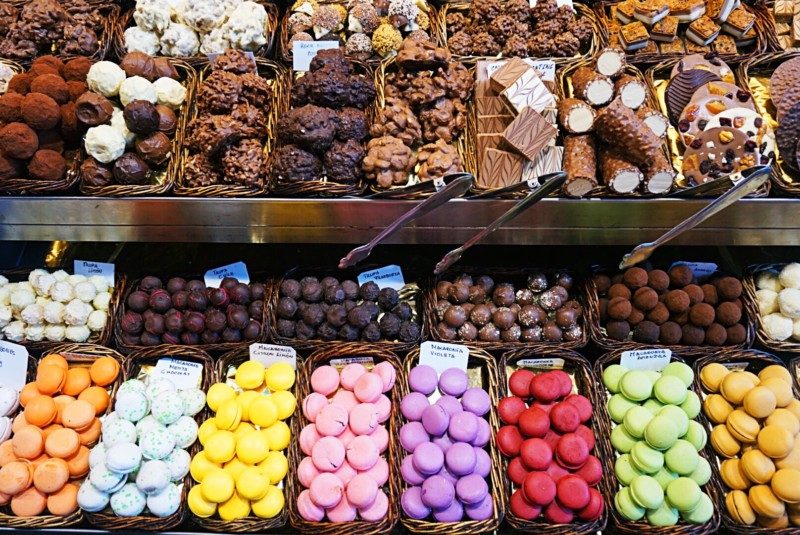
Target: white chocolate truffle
x: 6, y: 74
x: 215, y: 42
x: 5, y: 295
x: 76, y: 312
x: 3, y: 280
x: 105, y: 77
x: 5, y: 315
x: 101, y: 301
x: 104, y: 143
x: 15, y: 331
x: 789, y: 302
x: 43, y: 284
x: 62, y: 292
x: 33, y: 314
x: 60, y: 275
x: 75, y: 279
x: 21, y: 298
x: 40, y: 300
x: 767, y: 301
x: 35, y: 274
x: 118, y: 124
x: 97, y: 320
x: 169, y: 92
x: 34, y: 333
x: 768, y: 280
x: 204, y: 15
x: 54, y: 312
x: 139, y: 40
x: 136, y: 88
x: 100, y: 282
x: 152, y: 15
x: 790, y: 276
x: 230, y: 5
x: 78, y: 333
x: 85, y: 291
x: 55, y: 333
x: 777, y: 326
x: 796, y: 329
x: 246, y: 26
x: 179, y: 40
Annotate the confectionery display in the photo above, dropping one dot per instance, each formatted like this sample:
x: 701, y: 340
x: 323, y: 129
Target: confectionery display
x: 365, y: 29
x: 227, y: 135
x: 45, y: 451
x: 777, y: 298
x: 130, y: 114
x: 198, y: 27
x: 756, y: 421
x: 332, y: 309
x: 492, y: 28
x: 671, y: 307
x: 54, y: 307
x: 141, y: 462
x: 656, y: 439
x: 344, y: 470
x: 551, y: 449
x: 188, y: 313
x: 483, y: 309
x: 240, y: 470
x: 445, y: 465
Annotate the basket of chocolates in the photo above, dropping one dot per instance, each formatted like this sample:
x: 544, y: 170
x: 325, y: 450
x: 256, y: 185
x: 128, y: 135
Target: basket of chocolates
x: 231, y: 128
x: 193, y: 31
x: 770, y: 296
x: 133, y: 114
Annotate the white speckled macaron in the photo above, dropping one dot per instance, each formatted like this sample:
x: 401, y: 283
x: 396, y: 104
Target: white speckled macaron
x: 118, y: 431
x: 131, y: 385
x: 123, y: 458
x: 166, y: 502
x: 9, y: 400
x: 153, y: 477
x: 118, y: 486
x: 128, y: 501
x: 193, y: 401
x: 178, y: 462
x: 167, y: 407
x: 104, y: 479
x: 158, y: 385
x: 157, y: 443
x: 97, y: 455
x: 185, y: 431
x: 132, y: 406
x: 148, y: 422
x: 90, y: 499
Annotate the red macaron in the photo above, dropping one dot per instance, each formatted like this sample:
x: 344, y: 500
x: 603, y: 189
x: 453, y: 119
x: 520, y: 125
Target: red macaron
x: 536, y: 454
x: 556, y: 471
x: 521, y: 508
x: 572, y: 492
x: 556, y: 514
x: 572, y: 451
x: 586, y: 434
x: 564, y: 380
x: 546, y: 407
x: 565, y: 417
x: 510, y: 409
x: 534, y: 422
x: 509, y: 440
x: 546, y: 387
x: 552, y: 438
x: 517, y: 471
x: 520, y: 383
x: 594, y: 509
x: 539, y: 488
x: 591, y: 471
x: 583, y: 405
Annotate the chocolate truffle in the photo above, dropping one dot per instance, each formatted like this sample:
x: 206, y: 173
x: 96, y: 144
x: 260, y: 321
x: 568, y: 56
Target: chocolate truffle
x: 477, y: 295
x: 532, y: 334
x: 458, y: 293
x: 728, y: 288
x: 167, y: 121
x: 636, y: 317
x: 442, y: 288
x: 51, y: 85
x: 481, y: 315
x: 503, y: 318
x: 441, y: 308
x: 77, y: 69
x: 70, y: 127
x: 677, y: 301
x: 291, y: 288
x: 446, y: 332
x: 564, y: 280
x: 523, y: 297
x: 695, y: 293
x: 388, y: 298
x: 141, y: 117
x: 670, y: 333
x: 503, y: 295
x: 10, y: 168
x: 728, y: 314
x: 40, y: 112
x: 635, y: 277
x: 531, y: 315
x: 680, y: 276
x: 286, y: 328
x: 537, y: 282
x: 403, y: 311
x: 486, y: 282
x: 409, y: 332
x: 566, y: 317
x: 164, y: 69
x: 455, y: 316
x: 658, y: 280
x: 155, y: 149
x: 552, y: 332
x: 737, y: 334
x: 512, y: 334
x: 701, y: 314
x: 716, y: 335
x: 18, y: 140
x: 47, y: 165
x: 138, y: 64
x: 646, y: 332
x: 659, y: 314
x: 286, y: 308
x: 93, y: 109
x: 130, y: 169
x: 20, y: 83
x: 602, y: 282
x: 489, y: 333
x: 10, y: 104
x: 710, y: 294
x: 693, y: 336
x: 619, y: 290
x: 619, y: 308
x: 645, y: 299
x: 369, y: 291
x: 51, y: 140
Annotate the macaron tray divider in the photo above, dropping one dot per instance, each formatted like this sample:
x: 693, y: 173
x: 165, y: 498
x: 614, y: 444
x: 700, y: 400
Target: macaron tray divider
x: 267, y: 69
x: 742, y: 360
x: 751, y: 305
x: 580, y: 371
x: 483, y: 372
x: 139, y: 365
x: 338, y: 356
x: 622, y: 525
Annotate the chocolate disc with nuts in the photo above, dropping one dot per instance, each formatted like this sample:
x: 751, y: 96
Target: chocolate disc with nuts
x: 698, y: 113
x: 717, y: 152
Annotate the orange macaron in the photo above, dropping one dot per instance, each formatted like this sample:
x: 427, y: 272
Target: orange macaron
x: 50, y: 379
x: 54, y: 359
x: 31, y: 502
x: 78, y: 414
x: 51, y: 475
x: 28, y: 392
x: 98, y: 397
x: 62, y: 443
x: 104, y: 371
x: 78, y: 380
x: 41, y: 411
x: 15, y: 477
x: 64, y: 502
x: 78, y: 464
x: 90, y: 435
x: 28, y: 442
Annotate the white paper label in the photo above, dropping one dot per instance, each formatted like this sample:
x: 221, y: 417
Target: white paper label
x: 182, y: 373
x: 548, y: 364
x: 269, y: 354
x: 342, y: 362
x: 385, y: 277
x: 646, y: 359
x: 90, y: 269
x: 545, y: 67
x: 441, y: 356
x: 701, y: 270
x: 237, y: 270
x: 13, y: 365
x: 736, y: 366
x: 304, y: 51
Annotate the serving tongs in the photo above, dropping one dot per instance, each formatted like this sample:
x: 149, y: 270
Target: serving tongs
x: 714, y: 187
x: 744, y: 183
x: 552, y: 182
x: 427, y: 186
x: 456, y: 185
x: 525, y: 185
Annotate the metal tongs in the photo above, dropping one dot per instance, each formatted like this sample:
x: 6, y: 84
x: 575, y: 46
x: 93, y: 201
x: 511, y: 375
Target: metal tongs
x: 550, y: 183
x: 714, y: 187
x: 744, y: 183
x: 457, y: 185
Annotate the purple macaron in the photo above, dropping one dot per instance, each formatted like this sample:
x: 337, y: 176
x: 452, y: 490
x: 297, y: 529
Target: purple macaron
x: 463, y: 427
x: 453, y: 513
x: 438, y: 493
x: 412, y: 435
x: 443, y: 442
x: 482, y: 510
x: 483, y: 463
x: 484, y: 433
x: 460, y: 459
x: 428, y: 458
x: 453, y: 382
x: 476, y: 401
x: 411, y: 501
x: 409, y: 473
x: 423, y: 379
x: 413, y: 405
x: 471, y: 489
x: 450, y: 404
x: 435, y: 420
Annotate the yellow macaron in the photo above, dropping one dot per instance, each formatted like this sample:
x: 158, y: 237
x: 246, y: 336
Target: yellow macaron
x: 717, y: 408
x: 739, y: 507
x: 733, y: 476
x: 759, y: 402
x: 776, y: 442
x: 712, y: 375
x: 742, y: 426
x: 757, y: 467
x: 723, y: 442
x: 735, y: 386
x: 775, y: 370
x: 764, y: 502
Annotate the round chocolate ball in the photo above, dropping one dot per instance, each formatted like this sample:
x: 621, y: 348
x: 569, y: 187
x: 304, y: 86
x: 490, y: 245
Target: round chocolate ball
x: 503, y: 318
x: 701, y: 314
x: 537, y: 282
x: 312, y: 291
x: 130, y: 169
x: 716, y: 335
x: 677, y: 301
x: 503, y: 295
x: 445, y: 332
x: 180, y: 300
x: 512, y: 334
x: 390, y: 326
x: 692, y: 335
x: 371, y: 333
x: 489, y: 333
x: 286, y: 328
x: 176, y: 284
x: 486, y: 282
x: 618, y: 330
x: 369, y: 291
x: 635, y: 277
x: 229, y: 335
x: 728, y: 313
x: 287, y: 307
x: 695, y: 294
x: 464, y: 279
x: 551, y: 300
x: 602, y: 282
x: 710, y: 295
x: 480, y: 315
x: 141, y: 117
x: 531, y: 315
x: 336, y: 315
x: 477, y: 295
x: 680, y: 276
x: 403, y: 311
x: 645, y: 299
x: 619, y: 308
x: 636, y: 317
x: 138, y: 301
x: 524, y: 297
x: 333, y: 295
x: 468, y: 332
x: 659, y: 314
x: 564, y: 280
x: 442, y: 289
x: 566, y: 317
x: 313, y: 315
x: 350, y: 290
x: 197, y: 300
x: 441, y: 308
x: 455, y: 316
x: 552, y: 332
x: 160, y: 301
x: 154, y: 148
x: 458, y: 293
x: 252, y: 331
x: 291, y: 288
x: 658, y: 280
x: 737, y: 334
x: 409, y: 331
x: 646, y: 332
x: 216, y: 321
x: 532, y: 334
x: 348, y: 333
x: 728, y: 288
x: 388, y: 298
x: 132, y: 322
x: 327, y: 332
x: 619, y: 290
x: 670, y: 333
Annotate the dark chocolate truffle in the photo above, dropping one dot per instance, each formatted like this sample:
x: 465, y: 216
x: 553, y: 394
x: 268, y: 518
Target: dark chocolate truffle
x: 403, y: 311
x: 167, y: 121
x: 442, y: 288
x: 369, y: 291
x: 455, y: 316
x: 531, y: 315
x: 524, y: 297
x: 680, y: 276
x: 165, y: 69
x: 635, y: 277
x: 359, y: 317
x: 141, y: 117
x: 286, y: 328
x: 503, y: 318
x: 552, y: 332
x: 636, y: 317
x: 350, y: 290
x: 477, y: 295
x: 710, y: 294
x: 737, y: 334
x: 409, y: 331
x: 327, y: 332
x: 701, y: 314
x: 306, y: 332
x: 602, y: 283
x: 658, y: 280
x: 729, y: 288
x: 333, y: 294
x: 290, y: 288
x: 659, y: 314
x: 313, y: 315
x: 532, y: 334
x: 388, y: 298
x: 671, y: 333
x: 677, y: 301
x: 18, y: 140
x: 10, y: 168
x: 40, y: 112
x: 51, y: 85
x: 537, y: 282
x: 93, y: 109
x: 371, y: 333
x: 464, y: 279
x: 692, y: 335
x: 564, y: 280
x: 10, y: 104
x: 728, y: 313
x: 480, y: 315
x: 716, y: 335
x: 503, y: 295
x: 446, y: 332
x: 646, y: 332
x: 390, y: 326
x: 489, y: 333
x: 486, y: 282
x: 155, y: 149
x: 619, y: 308
x: 47, y: 165
x: 468, y: 332
x: 312, y: 291
x: 137, y: 63
x: 619, y: 290
x: 287, y: 307
x: 512, y: 334
x: 645, y: 299
x: 130, y: 169
x: 458, y: 293
x: 441, y: 308
x: 566, y: 317
x: 695, y: 294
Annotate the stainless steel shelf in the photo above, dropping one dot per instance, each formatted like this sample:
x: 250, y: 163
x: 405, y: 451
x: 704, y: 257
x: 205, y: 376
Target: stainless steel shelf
x: 551, y: 222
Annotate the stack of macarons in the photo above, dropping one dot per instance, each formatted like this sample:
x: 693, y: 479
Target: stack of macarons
x: 242, y: 464
x: 757, y: 430
x: 51, y: 437
x: 142, y: 458
x: 549, y: 445
x: 345, y: 468
x: 446, y: 465
x: 658, y: 442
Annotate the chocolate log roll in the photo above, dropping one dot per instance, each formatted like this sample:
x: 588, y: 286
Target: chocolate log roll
x: 619, y: 175
x: 591, y: 86
x: 631, y: 90
x: 617, y: 125
x: 610, y: 62
x: 575, y: 116
x: 655, y: 120
x: 580, y: 164
x: 659, y: 174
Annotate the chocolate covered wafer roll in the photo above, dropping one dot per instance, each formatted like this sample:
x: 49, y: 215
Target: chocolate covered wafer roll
x: 619, y: 175
x: 617, y: 125
x: 591, y: 86
x: 655, y: 120
x: 610, y: 62
x: 580, y: 164
x: 575, y: 116
x: 631, y: 91
x: 659, y: 174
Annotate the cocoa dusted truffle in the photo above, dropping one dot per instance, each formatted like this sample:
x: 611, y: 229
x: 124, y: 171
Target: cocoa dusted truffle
x: 76, y: 89
x: 636, y: 317
x: 646, y: 332
x: 716, y: 335
x: 680, y: 276
x: 701, y: 314
x: 130, y: 169
x: 167, y: 121
x: 10, y: 104
x: 602, y: 282
x: 619, y: 308
x: 18, y: 140
x: 658, y: 280
x: 645, y: 299
x: 710, y: 295
x: 51, y: 85
x: 729, y: 288
x: 10, y: 168
x: 47, y: 165
x: 635, y: 277
x: 671, y: 333
x: 93, y: 109
x: 728, y: 314
x: 40, y: 112
x: 677, y: 301
x: 77, y: 69
x: 619, y: 290
x: 737, y: 334
x: 692, y: 335
x: 154, y: 149
x: 141, y: 117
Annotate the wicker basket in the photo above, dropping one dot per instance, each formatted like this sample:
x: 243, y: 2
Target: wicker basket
x: 410, y: 293
x: 622, y: 525
x: 519, y: 277
x: 580, y: 369
x: 211, y: 348
x: 107, y: 520
x: 125, y: 20
x: 463, y: 8
x: 599, y: 336
x: 752, y: 361
x: 392, y: 488
x: 273, y: 73
x: 483, y: 372
x: 794, y: 367
x: 751, y: 304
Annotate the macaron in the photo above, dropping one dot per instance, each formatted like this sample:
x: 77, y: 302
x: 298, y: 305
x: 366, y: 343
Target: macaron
x: 428, y: 458
x: 723, y: 442
x: 758, y: 468
x: 91, y: 499
x: 63, y: 502
x: 539, y: 488
x: 362, y: 453
x: 476, y: 400
x: 661, y: 433
x: 28, y: 442
x: 646, y: 492
x: 670, y: 389
x: 78, y: 464
x: 565, y: 417
x: 368, y: 387
x: 325, y: 380
x: 625, y: 470
x: 733, y: 475
x: 702, y: 512
x: 463, y: 426
x: 308, y: 509
x: 453, y: 382
x: 717, y: 408
x: 326, y: 490
x: 780, y: 388
x: 328, y: 454
x: 571, y: 451
x: 414, y: 403
x: 612, y: 375
x: 691, y: 405
x: 332, y: 420
x: 546, y: 387
x: 742, y: 426
x: 164, y: 502
x: 636, y: 385
x: 775, y: 371
x: 15, y: 477
x: 51, y: 475
x: 423, y: 379
x: 519, y: 383
x: 30, y: 502
x: 683, y: 494
x: 622, y: 441
x: 663, y: 516
x: 521, y: 508
x: 636, y: 421
x: 460, y: 459
x: 249, y: 374
x: 104, y: 371
x: 438, y: 493
x: 41, y: 410
x: 532, y: 421
x: 123, y: 458
x: 760, y: 401
x: 738, y: 506
x: 412, y: 434
x: 573, y: 492
x: 764, y: 502
x: 776, y: 442
x: 618, y: 406
x: 412, y: 504
x: 626, y: 507
x: 735, y: 386
x: 677, y: 416
x: 680, y: 370
x: 701, y: 474
x: 646, y: 459
x: 681, y: 458
x: 696, y: 434
x: 377, y: 511
x: 128, y: 501
x: 62, y: 443
x: 350, y: 373
x: 785, y: 486
x: 450, y: 404
x: 435, y: 420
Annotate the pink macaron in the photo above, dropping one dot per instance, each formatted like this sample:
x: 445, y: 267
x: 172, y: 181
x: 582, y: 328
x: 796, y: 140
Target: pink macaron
x: 536, y: 454
x: 325, y: 380
x: 368, y: 387
x: 345, y: 472
x: 306, y: 471
x: 377, y: 511
x: 539, y: 488
x: 326, y: 490
x: 387, y: 374
x: 587, y: 435
x: 582, y: 404
x: 521, y: 508
x: 546, y: 387
x: 362, y: 453
x: 344, y: 511
x: 572, y: 451
x: 332, y: 421
x: 328, y: 454
x: 350, y: 375
x: 572, y: 492
x: 384, y: 407
x: 379, y: 473
x: 345, y: 398
x: 380, y: 437
x: 308, y: 509
x: 564, y: 380
x: 308, y: 437
x: 510, y: 409
x: 362, y: 491
x: 313, y: 405
x: 556, y: 514
x: 346, y: 436
x: 591, y: 471
x: 364, y: 418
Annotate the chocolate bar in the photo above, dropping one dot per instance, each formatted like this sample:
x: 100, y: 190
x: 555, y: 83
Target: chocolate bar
x: 687, y: 10
x: 739, y: 22
x: 655, y: 120
x: 499, y: 169
x: 631, y: 90
x: 546, y: 162
x: 651, y: 11
x: 528, y: 133
x: 528, y: 91
x: 580, y: 164
x: 488, y: 141
x: 610, y: 62
x: 591, y: 86
x: 702, y: 31
x: 493, y: 124
x: 618, y: 125
x: 575, y: 116
x: 659, y: 175
x: 491, y: 106
x: 665, y: 30
x: 506, y: 75
x: 633, y: 36
x: 619, y: 175
x: 783, y: 10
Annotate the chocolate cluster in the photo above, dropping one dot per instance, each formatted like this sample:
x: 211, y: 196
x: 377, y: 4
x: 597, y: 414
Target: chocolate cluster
x: 44, y: 26
x: 188, y: 313
x: 226, y: 139
x: 330, y: 309
x: 478, y: 309
x: 492, y: 27
x: 322, y: 133
x: 671, y: 307
x: 38, y: 121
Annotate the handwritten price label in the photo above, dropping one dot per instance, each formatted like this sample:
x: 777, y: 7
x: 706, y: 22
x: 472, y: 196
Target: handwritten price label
x: 304, y: 51
x: 90, y: 269
x: 237, y: 270
x: 385, y: 277
x: 542, y: 364
x: 268, y: 354
x: 182, y: 373
x: 646, y: 359
x: 13, y: 365
x: 344, y: 361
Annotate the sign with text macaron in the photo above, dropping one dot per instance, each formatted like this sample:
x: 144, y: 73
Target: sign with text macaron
x: 237, y: 270
x: 304, y: 51
x: 90, y: 269
x: 13, y: 365
x: 183, y: 373
x: 646, y: 359
x: 269, y: 354
x: 385, y: 277
x: 441, y: 356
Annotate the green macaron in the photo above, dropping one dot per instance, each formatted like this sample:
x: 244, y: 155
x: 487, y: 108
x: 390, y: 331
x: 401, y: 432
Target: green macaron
x: 677, y: 416
x: 646, y: 459
x: 702, y: 512
x: 683, y: 494
x: 661, y: 433
x: 665, y: 477
x: 691, y: 405
x: 670, y: 390
x: 681, y: 458
x: 636, y: 420
x: 612, y: 376
x: 618, y: 406
x: 624, y: 469
x: 621, y: 440
x: 696, y: 435
x: 646, y: 492
x: 636, y: 385
x: 664, y: 516
x: 653, y: 375
x: 681, y: 371
x: 626, y: 506
x: 653, y: 405
x: 701, y: 474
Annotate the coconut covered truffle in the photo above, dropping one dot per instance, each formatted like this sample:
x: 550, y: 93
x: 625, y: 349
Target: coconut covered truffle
x: 169, y: 92
x: 140, y: 40
x: 104, y: 143
x: 767, y: 301
x: 790, y: 276
x: 105, y: 78
x: 789, y: 302
x: 777, y: 326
